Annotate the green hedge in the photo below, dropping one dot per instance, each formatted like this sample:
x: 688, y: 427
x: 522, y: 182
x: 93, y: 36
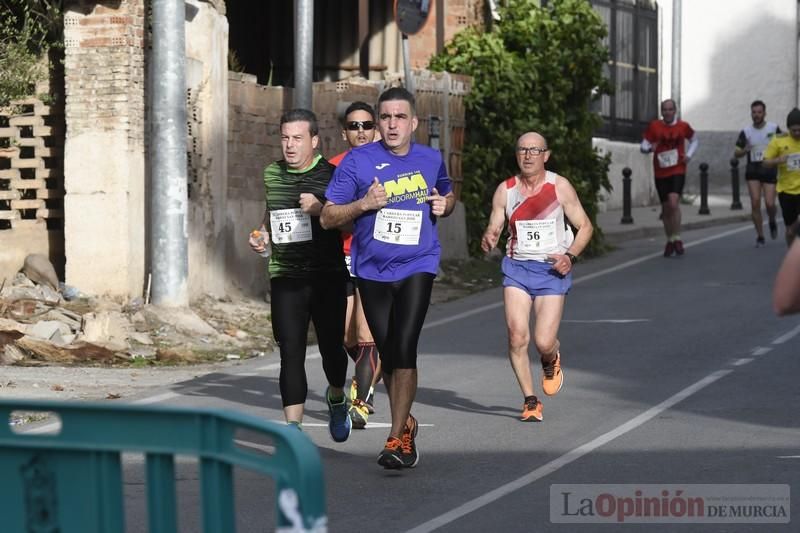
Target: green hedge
x: 536, y: 69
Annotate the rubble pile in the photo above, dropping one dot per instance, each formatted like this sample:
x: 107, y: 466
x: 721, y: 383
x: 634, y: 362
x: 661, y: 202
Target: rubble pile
x: 43, y: 324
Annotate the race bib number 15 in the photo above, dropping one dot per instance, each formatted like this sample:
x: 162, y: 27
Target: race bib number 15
x: 398, y: 226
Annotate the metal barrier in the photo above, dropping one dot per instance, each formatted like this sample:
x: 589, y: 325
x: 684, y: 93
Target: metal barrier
x: 71, y: 481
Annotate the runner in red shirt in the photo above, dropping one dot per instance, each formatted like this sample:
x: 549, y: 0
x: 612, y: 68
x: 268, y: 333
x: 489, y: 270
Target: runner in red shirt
x: 667, y: 140
x: 358, y: 129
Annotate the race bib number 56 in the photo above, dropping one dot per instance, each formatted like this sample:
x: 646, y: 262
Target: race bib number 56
x: 398, y: 226
x: 536, y: 235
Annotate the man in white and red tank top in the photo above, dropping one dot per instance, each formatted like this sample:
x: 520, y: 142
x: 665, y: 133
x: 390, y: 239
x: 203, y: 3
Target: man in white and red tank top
x: 540, y: 252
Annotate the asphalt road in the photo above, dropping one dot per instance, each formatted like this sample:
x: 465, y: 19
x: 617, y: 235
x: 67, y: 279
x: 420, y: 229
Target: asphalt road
x: 676, y: 373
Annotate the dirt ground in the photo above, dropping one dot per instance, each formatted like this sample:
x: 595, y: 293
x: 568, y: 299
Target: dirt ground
x: 242, y: 330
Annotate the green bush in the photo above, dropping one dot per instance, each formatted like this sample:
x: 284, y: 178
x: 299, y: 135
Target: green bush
x: 29, y: 31
x: 537, y: 69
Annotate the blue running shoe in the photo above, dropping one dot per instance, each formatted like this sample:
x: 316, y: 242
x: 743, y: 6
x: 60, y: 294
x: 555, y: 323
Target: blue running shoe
x: 339, y: 424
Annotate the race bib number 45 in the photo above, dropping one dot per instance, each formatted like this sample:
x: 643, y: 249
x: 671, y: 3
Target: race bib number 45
x: 398, y: 226
x: 536, y: 235
x: 290, y: 225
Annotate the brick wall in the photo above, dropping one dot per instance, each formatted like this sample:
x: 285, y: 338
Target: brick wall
x: 104, y: 149
x: 253, y: 136
x: 459, y: 14
x: 104, y: 63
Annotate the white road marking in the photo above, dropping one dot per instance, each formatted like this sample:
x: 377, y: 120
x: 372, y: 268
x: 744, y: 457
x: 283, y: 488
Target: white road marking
x: 567, y: 458
x: 789, y: 457
x: 587, y: 277
x: 157, y: 398
x: 760, y: 350
x: 608, y: 321
x: 788, y: 336
x: 742, y: 361
x: 370, y: 425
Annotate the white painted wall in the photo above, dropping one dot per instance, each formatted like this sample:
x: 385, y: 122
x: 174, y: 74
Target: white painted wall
x: 732, y: 52
x: 736, y: 51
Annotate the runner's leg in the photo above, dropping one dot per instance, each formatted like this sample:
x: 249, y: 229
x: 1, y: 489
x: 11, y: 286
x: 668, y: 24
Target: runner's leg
x: 754, y: 187
x: 328, y: 307
x: 518, y: 305
x: 548, y: 311
x: 290, y: 312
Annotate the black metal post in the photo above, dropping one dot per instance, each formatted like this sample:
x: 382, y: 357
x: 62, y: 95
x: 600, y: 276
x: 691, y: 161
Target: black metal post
x: 626, y: 197
x: 704, y: 189
x: 737, y: 202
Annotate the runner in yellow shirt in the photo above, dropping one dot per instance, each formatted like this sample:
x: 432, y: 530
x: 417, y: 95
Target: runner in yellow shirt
x: 783, y: 151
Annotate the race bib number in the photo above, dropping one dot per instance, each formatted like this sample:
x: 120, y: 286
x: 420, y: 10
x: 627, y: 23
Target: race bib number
x: 668, y: 158
x: 536, y: 235
x: 290, y: 226
x: 757, y: 154
x: 793, y: 162
x: 398, y: 226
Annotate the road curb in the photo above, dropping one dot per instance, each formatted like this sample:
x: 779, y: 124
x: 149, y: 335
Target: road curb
x: 619, y: 236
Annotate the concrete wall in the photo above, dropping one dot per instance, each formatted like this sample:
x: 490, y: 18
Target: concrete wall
x: 627, y: 155
x: 207, y: 81
x: 104, y: 216
x: 106, y: 178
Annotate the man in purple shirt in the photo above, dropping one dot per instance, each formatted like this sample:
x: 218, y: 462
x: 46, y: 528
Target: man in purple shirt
x: 393, y: 192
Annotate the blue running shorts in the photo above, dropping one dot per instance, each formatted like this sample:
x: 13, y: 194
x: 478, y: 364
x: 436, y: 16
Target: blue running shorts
x: 534, y: 277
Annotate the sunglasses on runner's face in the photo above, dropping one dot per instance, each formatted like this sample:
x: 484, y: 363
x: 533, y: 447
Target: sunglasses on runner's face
x: 355, y: 125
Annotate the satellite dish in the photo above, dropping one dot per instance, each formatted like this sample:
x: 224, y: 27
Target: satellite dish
x: 411, y: 15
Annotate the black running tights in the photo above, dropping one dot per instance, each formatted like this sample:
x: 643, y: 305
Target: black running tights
x: 395, y: 313
x: 295, y: 303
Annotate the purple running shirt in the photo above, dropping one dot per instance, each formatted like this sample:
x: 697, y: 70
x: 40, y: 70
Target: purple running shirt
x: 401, y: 238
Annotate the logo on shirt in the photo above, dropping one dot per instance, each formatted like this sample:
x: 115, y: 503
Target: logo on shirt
x: 407, y: 186
x: 381, y: 166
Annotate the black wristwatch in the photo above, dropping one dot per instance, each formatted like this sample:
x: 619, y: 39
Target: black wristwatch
x: 572, y: 258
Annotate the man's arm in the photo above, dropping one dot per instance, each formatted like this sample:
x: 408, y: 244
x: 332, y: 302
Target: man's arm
x: 441, y: 206
x: 742, y: 145
x: 568, y: 198
x: 772, y: 155
x: 497, y: 220
x: 786, y: 293
x: 335, y: 216
x: 693, y: 144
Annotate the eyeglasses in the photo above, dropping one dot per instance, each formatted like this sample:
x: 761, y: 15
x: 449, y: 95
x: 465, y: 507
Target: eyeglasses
x: 533, y: 150
x: 355, y: 125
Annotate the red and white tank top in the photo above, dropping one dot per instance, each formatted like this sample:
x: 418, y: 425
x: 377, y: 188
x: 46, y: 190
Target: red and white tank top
x: 536, y: 224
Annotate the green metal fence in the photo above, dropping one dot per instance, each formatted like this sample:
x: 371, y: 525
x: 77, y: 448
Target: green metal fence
x: 71, y: 481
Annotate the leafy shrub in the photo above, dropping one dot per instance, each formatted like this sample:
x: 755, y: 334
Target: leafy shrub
x: 29, y: 31
x: 537, y: 69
